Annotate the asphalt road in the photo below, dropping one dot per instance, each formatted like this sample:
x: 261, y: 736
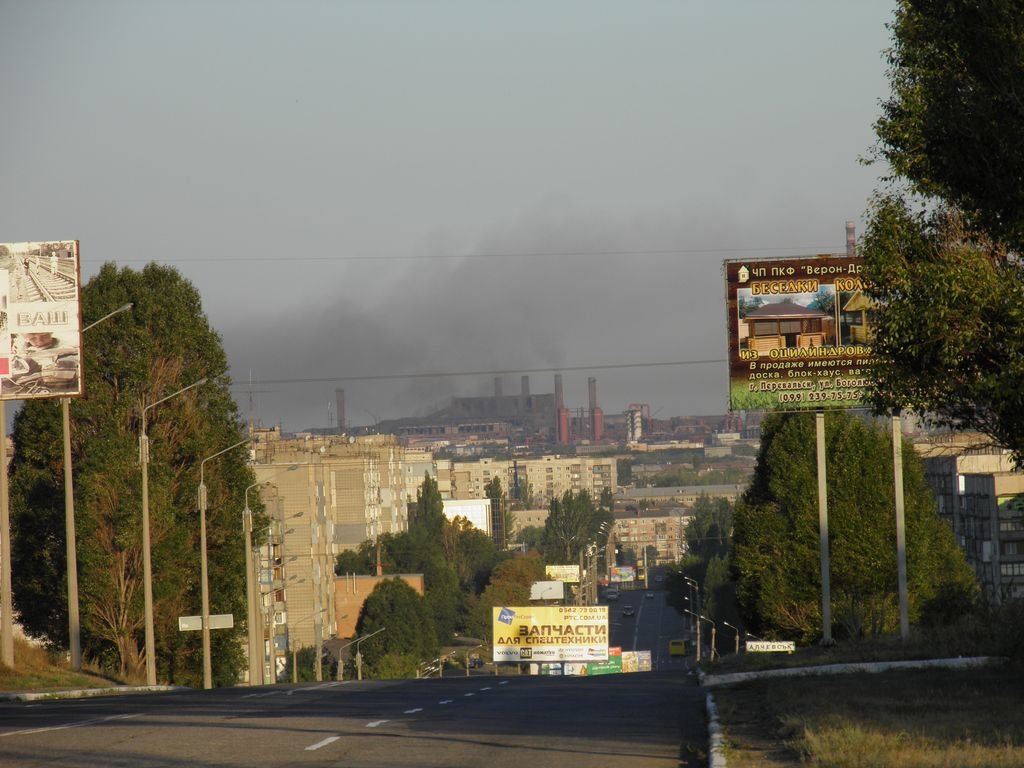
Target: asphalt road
x: 641, y: 720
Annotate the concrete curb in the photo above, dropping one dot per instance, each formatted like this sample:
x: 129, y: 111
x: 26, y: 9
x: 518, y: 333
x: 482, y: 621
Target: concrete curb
x: 85, y: 693
x: 716, y: 757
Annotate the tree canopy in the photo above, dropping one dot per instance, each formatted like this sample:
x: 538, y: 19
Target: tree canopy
x: 942, y: 247
x: 775, y: 557
x: 136, y: 358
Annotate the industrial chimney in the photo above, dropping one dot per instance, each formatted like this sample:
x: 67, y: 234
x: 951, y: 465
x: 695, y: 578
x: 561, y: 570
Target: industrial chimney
x: 851, y: 239
x: 526, y: 387
x: 497, y: 386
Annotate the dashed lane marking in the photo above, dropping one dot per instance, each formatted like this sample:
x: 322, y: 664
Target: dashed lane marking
x: 68, y: 725
x: 322, y: 743
x: 375, y: 723
x: 413, y: 711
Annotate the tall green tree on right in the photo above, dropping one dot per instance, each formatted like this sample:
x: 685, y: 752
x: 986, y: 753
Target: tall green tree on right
x: 775, y: 558
x: 942, y: 243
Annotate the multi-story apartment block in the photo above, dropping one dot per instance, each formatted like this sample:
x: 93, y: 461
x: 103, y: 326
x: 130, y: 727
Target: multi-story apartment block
x: 541, y: 480
x: 330, y: 494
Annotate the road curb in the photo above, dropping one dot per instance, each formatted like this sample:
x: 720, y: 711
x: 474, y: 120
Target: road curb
x: 85, y: 693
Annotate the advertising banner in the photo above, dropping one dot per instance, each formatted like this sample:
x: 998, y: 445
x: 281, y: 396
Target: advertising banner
x: 799, y: 333
x: 550, y: 633
x: 40, y: 320
x: 621, y: 573
x: 562, y: 572
x: 547, y: 590
x: 613, y: 666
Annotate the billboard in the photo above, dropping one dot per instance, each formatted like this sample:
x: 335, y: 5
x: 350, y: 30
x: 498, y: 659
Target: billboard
x: 800, y: 332
x: 547, y: 590
x: 622, y: 573
x: 562, y: 572
x: 550, y: 633
x: 40, y: 320
x: 477, y: 511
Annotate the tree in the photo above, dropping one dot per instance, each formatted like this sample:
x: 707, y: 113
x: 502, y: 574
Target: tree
x: 572, y: 523
x: 408, y: 627
x: 949, y: 332
x: 163, y: 345
x: 951, y: 127
x: 509, y: 586
x: 775, y: 551
x: 708, y: 532
x: 948, y: 278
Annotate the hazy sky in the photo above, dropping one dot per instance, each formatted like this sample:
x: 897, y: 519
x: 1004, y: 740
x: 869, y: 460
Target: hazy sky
x: 375, y: 188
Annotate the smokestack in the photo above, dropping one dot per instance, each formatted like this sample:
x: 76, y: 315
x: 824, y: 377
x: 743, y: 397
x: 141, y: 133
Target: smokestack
x: 526, y: 386
x: 851, y: 239
x: 559, y: 402
x: 592, y: 391
x: 339, y: 398
x: 497, y: 386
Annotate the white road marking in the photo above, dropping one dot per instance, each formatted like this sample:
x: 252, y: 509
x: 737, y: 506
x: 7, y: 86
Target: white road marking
x: 323, y: 743
x: 486, y: 688
x: 413, y: 711
x: 503, y: 682
x: 375, y: 723
x: 68, y: 725
x: 469, y: 694
x: 445, y: 701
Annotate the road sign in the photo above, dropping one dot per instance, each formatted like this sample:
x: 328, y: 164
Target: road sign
x: 769, y: 646
x: 195, y: 623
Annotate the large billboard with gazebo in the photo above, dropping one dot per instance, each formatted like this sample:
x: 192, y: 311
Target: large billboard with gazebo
x: 40, y: 320
x: 799, y: 333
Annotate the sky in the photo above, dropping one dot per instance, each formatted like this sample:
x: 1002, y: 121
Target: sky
x: 407, y: 199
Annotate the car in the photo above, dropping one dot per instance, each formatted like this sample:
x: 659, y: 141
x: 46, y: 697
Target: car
x: 628, y: 610
x: 659, y: 578
x: 677, y: 647
x: 612, y: 594
x: 649, y: 594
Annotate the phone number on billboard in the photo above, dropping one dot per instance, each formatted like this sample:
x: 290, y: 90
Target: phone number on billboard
x: 830, y: 395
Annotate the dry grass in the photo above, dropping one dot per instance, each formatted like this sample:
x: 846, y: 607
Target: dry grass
x: 912, y: 719
x: 35, y: 669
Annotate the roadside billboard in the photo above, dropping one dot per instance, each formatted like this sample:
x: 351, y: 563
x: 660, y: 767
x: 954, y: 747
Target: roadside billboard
x: 800, y: 332
x: 622, y: 573
x: 613, y: 666
x: 547, y: 590
x: 40, y: 320
x: 550, y: 633
x: 562, y: 572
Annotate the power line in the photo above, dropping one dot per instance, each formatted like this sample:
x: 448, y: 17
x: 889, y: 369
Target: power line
x: 454, y: 374
x: 310, y: 255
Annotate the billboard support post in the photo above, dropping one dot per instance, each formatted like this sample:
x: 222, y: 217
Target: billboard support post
x: 901, y: 534
x: 6, y: 595
x: 826, y: 587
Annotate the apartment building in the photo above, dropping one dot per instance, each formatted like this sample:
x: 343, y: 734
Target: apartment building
x: 542, y: 479
x: 330, y: 493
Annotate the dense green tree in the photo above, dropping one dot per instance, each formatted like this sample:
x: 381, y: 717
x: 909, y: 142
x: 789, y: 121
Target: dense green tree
x: 951, y: 126
x: 709, y: 530
x: 949, y: 332
x: 573, y: 522
x: 133, y: 360
x: 409, y: 636
x: 945, y: 268
x: 531, y: 537
x: 509, y: 586
x: 775, y: 557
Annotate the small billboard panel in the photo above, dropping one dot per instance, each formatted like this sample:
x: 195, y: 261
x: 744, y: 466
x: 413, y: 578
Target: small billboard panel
x: 550, y: 633
x: 40, y: 320
x: 562, y: 572
x: 547, y: 590
x: 612, y: 666
x: 800, y: 332
x: 622, y: 573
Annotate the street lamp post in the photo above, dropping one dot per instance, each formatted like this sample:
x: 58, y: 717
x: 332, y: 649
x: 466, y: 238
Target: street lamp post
x: 734, y: 629
x: 147, y: 564
x: 207, y: 663
x: 697, y: 623
x: 74, y: 625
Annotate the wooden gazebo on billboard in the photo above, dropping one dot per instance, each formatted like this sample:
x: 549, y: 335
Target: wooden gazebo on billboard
x: 778, y: 326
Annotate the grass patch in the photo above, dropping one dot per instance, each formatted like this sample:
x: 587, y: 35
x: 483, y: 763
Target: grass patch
x: 35, y: 669
x: 913, y: 719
